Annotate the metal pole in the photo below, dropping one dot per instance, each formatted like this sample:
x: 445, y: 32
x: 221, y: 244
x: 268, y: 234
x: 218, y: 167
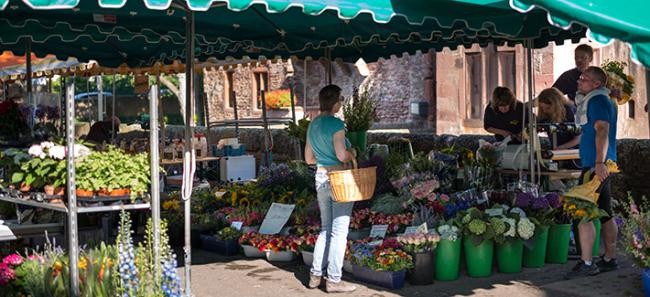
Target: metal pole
x: 532, y: 129
x: 304, y: 87
x: 234, y: 100
x: 28, y: 81
x: 155, y: 173
x: 113, y: 112
x: 73, y: 243
x: 267, y: 141
x: 188, y: 149
x: 293, y: 105
x: 206, y: 120
x: 100, y: 98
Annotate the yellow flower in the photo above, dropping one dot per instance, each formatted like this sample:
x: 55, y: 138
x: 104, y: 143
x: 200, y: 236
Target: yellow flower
x: 171, y: 205
x: 244, y: 201
x: 580, y: 213
x: 58, y: 266
x: 83, y: 263
x: 233, y: 198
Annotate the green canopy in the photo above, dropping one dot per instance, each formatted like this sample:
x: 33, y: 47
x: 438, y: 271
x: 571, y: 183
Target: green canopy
x: 142, y: 32
x: 627, y: 21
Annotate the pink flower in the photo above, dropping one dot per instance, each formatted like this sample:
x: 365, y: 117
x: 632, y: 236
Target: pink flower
x: 6, y: 274
x: 444, y: 198
x: 13, y: 260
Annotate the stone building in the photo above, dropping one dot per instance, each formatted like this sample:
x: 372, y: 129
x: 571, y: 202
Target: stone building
x: 452, y: 86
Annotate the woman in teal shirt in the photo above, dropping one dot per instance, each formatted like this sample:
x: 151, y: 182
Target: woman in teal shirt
x: 328, y: 149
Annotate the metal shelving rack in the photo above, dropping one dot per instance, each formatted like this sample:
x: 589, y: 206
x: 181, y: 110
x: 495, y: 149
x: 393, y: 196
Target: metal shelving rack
x: 72, y: 209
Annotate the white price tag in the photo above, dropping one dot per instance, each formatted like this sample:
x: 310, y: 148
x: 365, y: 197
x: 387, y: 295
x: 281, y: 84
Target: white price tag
x: 411, y: 230
x: 494, y: 212
x: 378, y: 231
x: 237, y: 224
x: 422, y: 229
x: 219, y: 194
x: 277, y: 215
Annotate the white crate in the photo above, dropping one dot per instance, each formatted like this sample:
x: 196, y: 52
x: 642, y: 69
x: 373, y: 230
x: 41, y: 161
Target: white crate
x: 237, y: 168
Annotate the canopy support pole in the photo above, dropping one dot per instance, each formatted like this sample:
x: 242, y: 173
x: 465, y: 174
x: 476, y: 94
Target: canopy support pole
x: 188, y: 151
x: 73, y: 242
x: 100, y: 98
x: 28, y: 82
x: 155, y: 173
x: 532, y: 126
x: 113, y: 113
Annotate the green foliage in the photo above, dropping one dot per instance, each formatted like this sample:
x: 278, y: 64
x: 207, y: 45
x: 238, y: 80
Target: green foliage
x: 476, y: 226
x: 360, y: 113
x: 228, y: 233
x: 38, y: 172
x: 389, y: 204
x: 299, y: 131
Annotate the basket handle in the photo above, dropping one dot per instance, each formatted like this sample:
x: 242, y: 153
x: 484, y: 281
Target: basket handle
x: 354, y: 163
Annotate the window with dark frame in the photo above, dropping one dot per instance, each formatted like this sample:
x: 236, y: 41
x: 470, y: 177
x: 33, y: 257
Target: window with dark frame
x: 631, y: 109
x: 261, y: 84
x: 230, y: 99
x: 475, y: 105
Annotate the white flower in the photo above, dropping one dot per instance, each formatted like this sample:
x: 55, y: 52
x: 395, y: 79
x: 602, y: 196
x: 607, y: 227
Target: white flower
x: 525, y: 228
x: 36, y: 151
x: 47, y: 144
x: 57, y: 152
x: 512, y: 227
x: 81, y: 151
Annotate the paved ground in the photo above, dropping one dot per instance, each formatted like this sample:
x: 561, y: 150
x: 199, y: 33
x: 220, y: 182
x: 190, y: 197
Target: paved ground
x: 214, y: 275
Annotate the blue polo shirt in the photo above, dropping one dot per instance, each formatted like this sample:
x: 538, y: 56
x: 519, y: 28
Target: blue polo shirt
x: 599, y: 108
x: 321, y: 137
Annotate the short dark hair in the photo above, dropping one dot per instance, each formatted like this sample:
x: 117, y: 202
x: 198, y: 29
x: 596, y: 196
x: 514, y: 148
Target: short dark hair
x: 598, y: 74
x: 328, y: 97
x: 585, y: 49
x: 502, y: 96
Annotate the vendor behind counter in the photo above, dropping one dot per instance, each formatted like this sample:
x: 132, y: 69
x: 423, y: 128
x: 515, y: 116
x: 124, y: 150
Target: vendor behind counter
x: 504, y: 115
x: 101, y: 132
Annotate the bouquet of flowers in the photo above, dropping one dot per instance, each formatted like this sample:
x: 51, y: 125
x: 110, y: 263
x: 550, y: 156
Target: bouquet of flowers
x: 418, y: 187
x: 541, y: 209
x: 618, y: 80
x: 477, y: 226
x: 636, y: 233
x: 248, y: 217
x: 229, y: 233
x: 252, y: 238
x: 278, y: 243
x: 511, y: 226
x: 395, y: 222
x: 278, y: 98
x: 418, y: 242
x: 448, y: 231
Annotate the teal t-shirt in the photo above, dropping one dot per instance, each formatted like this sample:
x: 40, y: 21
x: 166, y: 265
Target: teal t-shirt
x: 321, y: 136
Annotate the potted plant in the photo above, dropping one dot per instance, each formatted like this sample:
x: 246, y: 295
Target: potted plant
x: 359, y: 115
x: 448, y: 252
x: 384, y: 265
x: 280, y: 248
x: 250, y: 243
x: 45, y: 169
x: 477, y: 242
x: 636, y: 237
x: 225, y: 242
x: 359, y: 224
x: 420, y: 246
x: 307, y: 242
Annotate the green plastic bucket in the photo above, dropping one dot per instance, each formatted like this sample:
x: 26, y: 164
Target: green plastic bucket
x: 447, y: 260
x: 557, y: 250
x: 509, y: 256
x: 478, y: 257
x: 535, y: 255
x: 358, y: 139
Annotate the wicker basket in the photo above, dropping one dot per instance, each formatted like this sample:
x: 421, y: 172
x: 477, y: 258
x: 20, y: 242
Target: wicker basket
x: 355, y: 184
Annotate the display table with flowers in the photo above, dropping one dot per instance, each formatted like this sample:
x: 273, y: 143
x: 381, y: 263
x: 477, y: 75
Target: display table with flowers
x: 384, y: 265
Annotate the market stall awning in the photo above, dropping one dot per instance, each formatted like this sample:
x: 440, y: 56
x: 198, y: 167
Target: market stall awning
x: 627, y: 21
x: 140, y: 33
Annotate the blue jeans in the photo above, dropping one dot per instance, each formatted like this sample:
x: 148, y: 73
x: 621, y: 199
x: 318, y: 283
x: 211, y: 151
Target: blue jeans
x: 333, y: 237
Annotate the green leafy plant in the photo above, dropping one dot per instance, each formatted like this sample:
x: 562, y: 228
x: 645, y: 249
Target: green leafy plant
x: 360, y: 113
x: 476, y: 226
x: 229, y: 233
x: 299, y: 131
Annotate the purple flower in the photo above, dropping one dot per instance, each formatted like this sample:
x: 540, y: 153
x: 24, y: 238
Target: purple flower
x: 524, y: 200
x: 540, y: 203
x: 553, y: 200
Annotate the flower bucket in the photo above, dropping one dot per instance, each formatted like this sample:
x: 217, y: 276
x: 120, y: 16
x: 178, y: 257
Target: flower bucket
x: 645, y: 278
x: 386, y: 279
x: 535, y: 256
x: 281, y: 256
x: 223, y: 247
x: 557, y: 250
x: 422, y: 273
x: 307, y: 257
x: 447, y: 261
x: 252, y: 252
x: 595, y: 251
x: 478, y: 257
x: 509, y: 256
x: 356, y: 234
x: 358, y: 139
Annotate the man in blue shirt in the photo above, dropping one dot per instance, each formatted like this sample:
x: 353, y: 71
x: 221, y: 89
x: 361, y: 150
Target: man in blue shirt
x: 597, y: 116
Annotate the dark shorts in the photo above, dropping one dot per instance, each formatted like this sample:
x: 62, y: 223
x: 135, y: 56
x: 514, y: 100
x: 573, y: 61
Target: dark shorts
x: 605, y: 198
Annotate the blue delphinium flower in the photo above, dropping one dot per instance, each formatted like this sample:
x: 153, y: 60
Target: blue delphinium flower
x: 127, y: 269
x: 171, y: 283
